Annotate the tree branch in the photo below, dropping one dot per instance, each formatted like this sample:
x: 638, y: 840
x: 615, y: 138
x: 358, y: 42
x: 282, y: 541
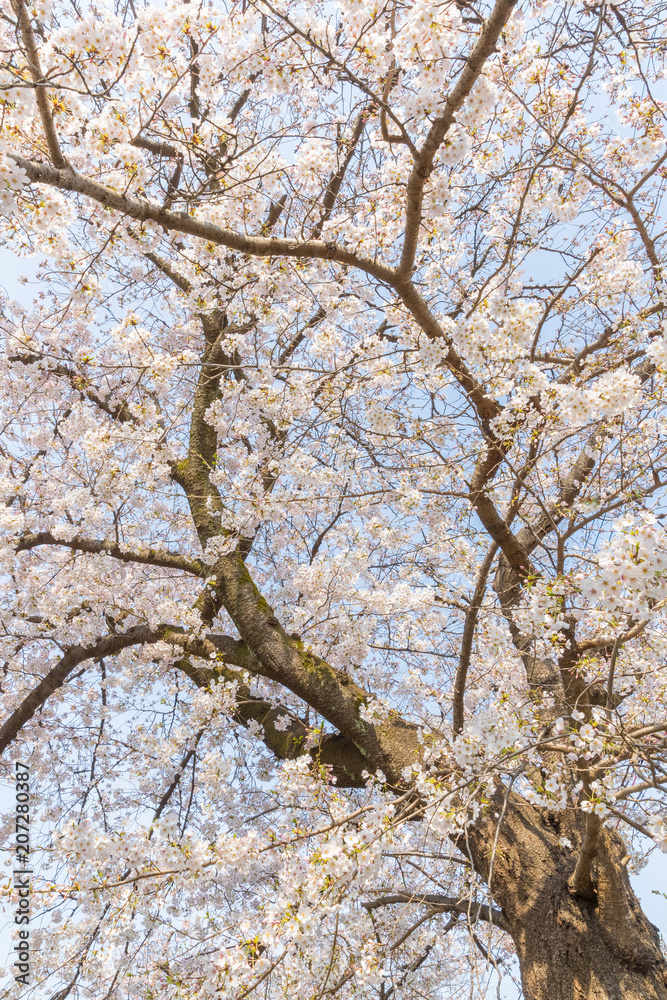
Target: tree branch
x: 80, y: 384
x: 265, y: 246
x: 342, y: 758
x: 41, y: 92
x: 57, y: 676
x: 152, y: 146
x: 283, y: 658
x: 182, y: 222
x: 151, y: 557
x: 483, y: 48
x: 466, y: 641
x: 169, y: 271
x: 336, y: 179
x: 580, y: 883
x: 443, y: 904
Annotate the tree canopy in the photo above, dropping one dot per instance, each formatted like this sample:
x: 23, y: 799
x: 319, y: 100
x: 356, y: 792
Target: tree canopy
x: 333, y: 459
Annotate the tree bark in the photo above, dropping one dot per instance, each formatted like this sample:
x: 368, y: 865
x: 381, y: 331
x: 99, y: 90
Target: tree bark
x: 569, y: 947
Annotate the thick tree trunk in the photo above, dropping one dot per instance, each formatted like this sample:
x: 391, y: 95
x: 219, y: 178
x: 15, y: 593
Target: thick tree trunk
x: 569, y: 947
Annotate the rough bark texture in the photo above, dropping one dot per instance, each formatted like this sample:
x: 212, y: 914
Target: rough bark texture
x: 569, y: 948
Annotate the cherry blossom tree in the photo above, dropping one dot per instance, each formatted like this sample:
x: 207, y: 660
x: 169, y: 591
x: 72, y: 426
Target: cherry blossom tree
x: 334, y: 457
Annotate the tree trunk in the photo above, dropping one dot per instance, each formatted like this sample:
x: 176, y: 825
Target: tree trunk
x: 569, y: 947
